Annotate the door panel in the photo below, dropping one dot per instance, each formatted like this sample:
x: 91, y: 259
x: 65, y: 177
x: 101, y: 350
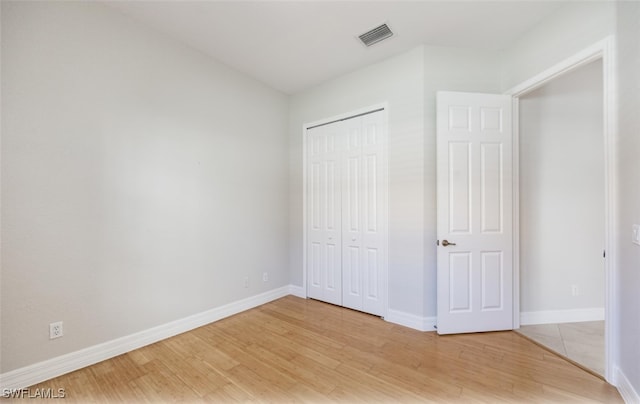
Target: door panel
x: 333, y: 272
x: 492, y: 280
x: 474, y: 190
x: 460, y: 275
x: 352, y: 194
x: 372, y: 276
x: 460, y: 188
x: 353, y: 278
x: 491, y: 187
x: 372, y: 235
x: 315, y: 266
x: 324, y: 234
x: 371, y: 207
x: 352, y: 215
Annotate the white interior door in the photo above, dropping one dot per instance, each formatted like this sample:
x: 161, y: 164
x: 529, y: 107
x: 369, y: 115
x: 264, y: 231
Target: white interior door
x: 324, y: 234
x: 363, y: 231
x: 475, y: 236
x: 346, y: 218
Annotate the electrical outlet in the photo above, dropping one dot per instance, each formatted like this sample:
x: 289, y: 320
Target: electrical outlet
x: 265, y: 277
x: 55, y: 330
x: 635, y: 236
x: 246, y: 281
x: 574, y: 290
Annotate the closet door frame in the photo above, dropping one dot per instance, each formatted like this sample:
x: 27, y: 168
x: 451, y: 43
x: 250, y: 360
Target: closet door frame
x: 384, y: 108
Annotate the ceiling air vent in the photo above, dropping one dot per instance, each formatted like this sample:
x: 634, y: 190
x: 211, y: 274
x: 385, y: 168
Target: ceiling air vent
x: 376, y: 35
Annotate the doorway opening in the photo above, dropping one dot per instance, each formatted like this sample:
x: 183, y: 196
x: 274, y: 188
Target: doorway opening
x: 562, y: 216
x: 459, y: 118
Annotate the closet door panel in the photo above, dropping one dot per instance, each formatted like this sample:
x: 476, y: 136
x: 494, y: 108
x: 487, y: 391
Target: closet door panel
x: 372, y: 235
x: 324, y: 212
x: 352, y: 276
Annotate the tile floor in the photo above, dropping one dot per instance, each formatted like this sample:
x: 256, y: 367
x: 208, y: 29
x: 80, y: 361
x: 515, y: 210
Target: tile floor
x: 581, y: 342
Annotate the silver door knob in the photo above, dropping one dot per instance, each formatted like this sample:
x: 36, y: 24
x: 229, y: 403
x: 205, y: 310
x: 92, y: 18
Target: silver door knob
x: 353, y: 239
x: 446, y: 243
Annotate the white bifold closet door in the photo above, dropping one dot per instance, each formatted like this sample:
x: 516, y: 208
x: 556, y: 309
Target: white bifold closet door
x: 345, y: 250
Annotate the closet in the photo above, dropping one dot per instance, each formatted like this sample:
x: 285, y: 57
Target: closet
x: 346, y: 214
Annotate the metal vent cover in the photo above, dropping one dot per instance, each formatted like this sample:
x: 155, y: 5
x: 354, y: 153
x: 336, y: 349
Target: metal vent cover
x: 376, y: 35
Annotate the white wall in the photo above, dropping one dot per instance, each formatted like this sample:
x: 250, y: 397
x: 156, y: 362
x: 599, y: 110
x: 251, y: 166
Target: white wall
x: 572, y: 28
x: 562, y: 193
x: 628, y: 285
x: 141, y: 182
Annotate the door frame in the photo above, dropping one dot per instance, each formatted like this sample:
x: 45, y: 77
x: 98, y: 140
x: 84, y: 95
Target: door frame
x: 603, y: 50
x: 384, y: 106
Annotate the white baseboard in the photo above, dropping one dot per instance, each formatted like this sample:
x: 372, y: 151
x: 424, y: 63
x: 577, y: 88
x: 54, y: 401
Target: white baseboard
x: 298, y: 291
x: 411, y: 320
x: 39, y: 372
x: 628, y: 393
x: 561, y: 316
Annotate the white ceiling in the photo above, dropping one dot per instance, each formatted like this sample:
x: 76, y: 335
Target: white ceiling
x: 294, y: 45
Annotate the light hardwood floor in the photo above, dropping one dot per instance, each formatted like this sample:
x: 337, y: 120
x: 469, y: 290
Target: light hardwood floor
x: 302, y: 350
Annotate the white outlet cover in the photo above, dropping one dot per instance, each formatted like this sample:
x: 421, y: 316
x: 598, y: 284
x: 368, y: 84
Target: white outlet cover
x: 635, y: 236
x: 55, y: 330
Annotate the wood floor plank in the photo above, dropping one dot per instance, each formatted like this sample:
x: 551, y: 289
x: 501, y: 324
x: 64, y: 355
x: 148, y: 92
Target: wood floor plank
x: 298, y: 350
